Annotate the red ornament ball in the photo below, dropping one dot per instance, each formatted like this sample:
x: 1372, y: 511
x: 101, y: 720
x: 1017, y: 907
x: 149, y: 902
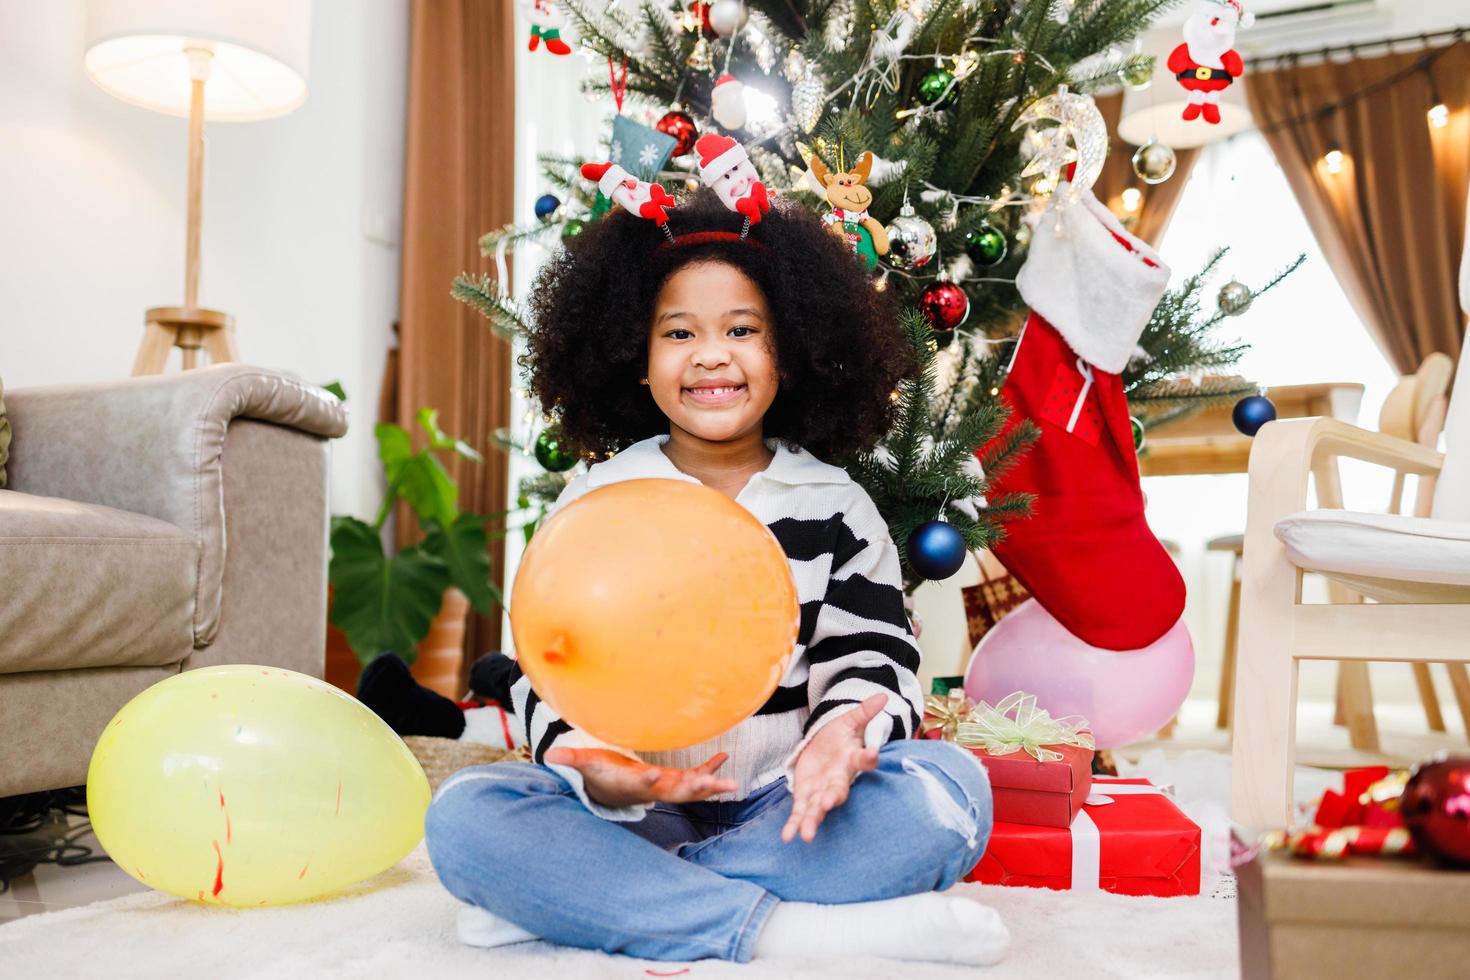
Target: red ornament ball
x: 678, y: 125
x: 944, y: 305
x: 1436, y: 808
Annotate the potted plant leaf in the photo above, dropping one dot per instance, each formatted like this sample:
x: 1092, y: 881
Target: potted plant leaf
x: 384, y: 602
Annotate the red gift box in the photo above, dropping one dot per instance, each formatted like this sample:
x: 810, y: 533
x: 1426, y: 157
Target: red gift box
x: 1139, y: 844
x: 1043, y: 794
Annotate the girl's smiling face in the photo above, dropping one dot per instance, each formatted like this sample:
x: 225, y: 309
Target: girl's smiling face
x: 711, y: 352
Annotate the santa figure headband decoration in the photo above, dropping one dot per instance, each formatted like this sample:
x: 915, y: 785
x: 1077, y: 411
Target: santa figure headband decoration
x: 724, y: 167
x: 642, y: 198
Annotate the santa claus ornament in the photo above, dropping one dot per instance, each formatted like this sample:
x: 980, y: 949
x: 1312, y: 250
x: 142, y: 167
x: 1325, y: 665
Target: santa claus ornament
x: 727, y: 102
x: 545, y: 26
x: 725, y: 168
x: 1207, y: 63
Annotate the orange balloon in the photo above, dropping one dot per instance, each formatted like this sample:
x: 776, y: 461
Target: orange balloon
x: 654, y: 614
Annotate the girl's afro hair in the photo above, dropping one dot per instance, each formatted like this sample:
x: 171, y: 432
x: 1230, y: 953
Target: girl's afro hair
x: 839, y: 349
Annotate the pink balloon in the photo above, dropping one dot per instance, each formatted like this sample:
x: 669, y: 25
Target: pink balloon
x: 1125, y: 695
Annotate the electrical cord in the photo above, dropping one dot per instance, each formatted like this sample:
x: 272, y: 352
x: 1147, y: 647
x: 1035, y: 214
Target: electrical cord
x: 35, y: 830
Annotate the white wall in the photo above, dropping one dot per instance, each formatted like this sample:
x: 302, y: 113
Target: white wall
x: 92, y: 215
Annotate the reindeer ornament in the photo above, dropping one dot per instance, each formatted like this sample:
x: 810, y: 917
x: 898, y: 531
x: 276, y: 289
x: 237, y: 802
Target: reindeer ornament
x: 849, y: 219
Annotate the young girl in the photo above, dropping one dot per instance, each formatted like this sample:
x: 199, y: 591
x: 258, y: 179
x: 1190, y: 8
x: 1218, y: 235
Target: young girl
x: 819, y: 826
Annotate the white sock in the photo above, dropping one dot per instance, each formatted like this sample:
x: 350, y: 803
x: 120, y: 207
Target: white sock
x: 930, y: 926
x: 478, y: 927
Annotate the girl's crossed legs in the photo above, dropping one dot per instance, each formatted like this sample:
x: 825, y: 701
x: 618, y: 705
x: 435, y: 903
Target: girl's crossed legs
x: 514, y: 840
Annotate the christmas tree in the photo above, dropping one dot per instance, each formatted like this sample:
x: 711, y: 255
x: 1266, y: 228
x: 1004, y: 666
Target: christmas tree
x: 964, y: 107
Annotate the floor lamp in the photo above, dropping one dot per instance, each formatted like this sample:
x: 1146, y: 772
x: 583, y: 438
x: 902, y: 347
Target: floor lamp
x: 223, y: 60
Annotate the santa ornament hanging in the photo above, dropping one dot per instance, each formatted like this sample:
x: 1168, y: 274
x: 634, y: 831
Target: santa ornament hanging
x: 546, y: 25
x: 1207, y: 63
x: 727, y: 102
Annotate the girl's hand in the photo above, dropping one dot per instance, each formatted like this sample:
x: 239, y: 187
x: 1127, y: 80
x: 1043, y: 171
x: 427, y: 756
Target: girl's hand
x: 615, y: 780
x: 826, y: 768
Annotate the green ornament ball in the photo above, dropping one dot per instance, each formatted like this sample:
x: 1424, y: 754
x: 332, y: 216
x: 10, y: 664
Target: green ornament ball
x: 1137, y: 72
x: 1138, y: 435
x: 986, y: 245
x: 934, y: 85
x: 572, y: 228
x: 551, y: 453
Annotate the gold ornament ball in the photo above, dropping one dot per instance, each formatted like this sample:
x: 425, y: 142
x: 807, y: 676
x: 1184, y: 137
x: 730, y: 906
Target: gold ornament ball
x: 1235, y: 298
x: 1154, y: 162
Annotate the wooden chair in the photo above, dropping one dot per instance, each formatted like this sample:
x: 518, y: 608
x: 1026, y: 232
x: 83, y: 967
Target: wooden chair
x: 1415, y: 571
x: 1415, y: 411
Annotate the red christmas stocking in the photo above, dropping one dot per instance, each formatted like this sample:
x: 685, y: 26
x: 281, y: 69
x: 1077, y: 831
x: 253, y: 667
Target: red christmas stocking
x: 1086, y: 553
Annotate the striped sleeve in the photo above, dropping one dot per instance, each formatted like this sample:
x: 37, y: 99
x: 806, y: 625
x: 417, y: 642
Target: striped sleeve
x: 542, y: 728
x: 862, y: 644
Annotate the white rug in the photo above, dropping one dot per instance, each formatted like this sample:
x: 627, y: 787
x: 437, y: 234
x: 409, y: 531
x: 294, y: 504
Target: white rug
x: 401, y: 924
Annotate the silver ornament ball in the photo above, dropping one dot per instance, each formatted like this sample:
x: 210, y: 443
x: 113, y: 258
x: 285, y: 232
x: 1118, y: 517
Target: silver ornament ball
x: 911, y: 240
x: 1154, y: 162
x: 1235, y: 298
x: 727, y: 16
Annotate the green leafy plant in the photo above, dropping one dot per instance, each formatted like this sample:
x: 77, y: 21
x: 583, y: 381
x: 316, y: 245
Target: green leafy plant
x: 386, y: 602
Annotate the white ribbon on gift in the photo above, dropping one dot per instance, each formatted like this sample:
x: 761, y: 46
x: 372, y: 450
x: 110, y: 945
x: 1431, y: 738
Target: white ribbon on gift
x: 1087, y: 842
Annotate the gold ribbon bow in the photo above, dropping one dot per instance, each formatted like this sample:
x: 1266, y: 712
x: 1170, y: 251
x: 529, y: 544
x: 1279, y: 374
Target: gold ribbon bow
x: 1013, y: 724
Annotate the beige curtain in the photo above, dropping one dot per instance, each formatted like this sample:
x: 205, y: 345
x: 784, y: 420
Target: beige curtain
x: 459, y: 182
x: 1392, y: 221
x: 1159, y: 200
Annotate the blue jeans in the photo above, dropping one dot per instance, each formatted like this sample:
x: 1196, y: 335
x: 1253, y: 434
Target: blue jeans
x: 699, y: 880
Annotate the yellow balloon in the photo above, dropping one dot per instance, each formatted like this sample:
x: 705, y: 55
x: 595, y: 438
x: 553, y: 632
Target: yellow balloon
x: 244, y: 785
x: 654, y: 614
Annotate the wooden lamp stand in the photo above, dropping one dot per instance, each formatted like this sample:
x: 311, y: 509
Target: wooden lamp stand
x: 189, y: 327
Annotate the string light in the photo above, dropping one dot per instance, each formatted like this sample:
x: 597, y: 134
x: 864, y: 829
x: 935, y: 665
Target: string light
x: 1334, y: 160
x: 1132, y: 199
x: 1438, y: 113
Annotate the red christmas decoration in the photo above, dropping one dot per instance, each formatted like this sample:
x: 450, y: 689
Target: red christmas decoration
x: 678, y: 125
x: 944, y: 305
x: 1436, y: 808
x: 700, y: 10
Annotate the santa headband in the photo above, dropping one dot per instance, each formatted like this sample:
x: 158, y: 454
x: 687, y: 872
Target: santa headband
x: 718, y: 155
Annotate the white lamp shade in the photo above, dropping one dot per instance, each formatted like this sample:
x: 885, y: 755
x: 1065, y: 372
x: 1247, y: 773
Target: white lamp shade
x: 1157, y: 112
x: 135, y: 51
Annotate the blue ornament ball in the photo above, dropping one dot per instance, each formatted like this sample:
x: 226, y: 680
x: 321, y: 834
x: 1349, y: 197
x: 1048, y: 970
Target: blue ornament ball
x: 936, y: 550
x: 546, y: 206
x: 1252, y: 412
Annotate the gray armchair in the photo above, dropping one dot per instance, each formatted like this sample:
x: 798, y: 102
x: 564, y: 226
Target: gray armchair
x: 150, y: 526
